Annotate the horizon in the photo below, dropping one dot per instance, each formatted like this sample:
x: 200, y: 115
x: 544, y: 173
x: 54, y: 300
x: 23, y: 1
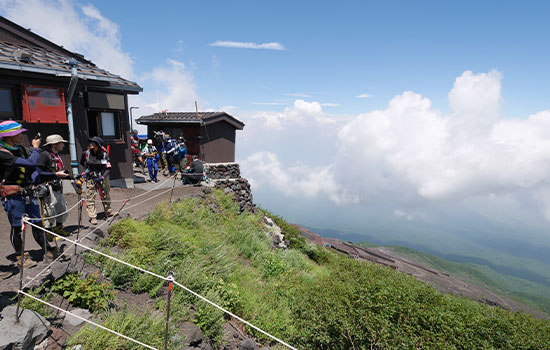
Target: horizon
x: 425, y: 122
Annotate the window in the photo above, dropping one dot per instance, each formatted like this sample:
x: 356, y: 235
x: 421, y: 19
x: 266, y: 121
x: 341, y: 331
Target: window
x: 6, y: 104
x: 104, y: 124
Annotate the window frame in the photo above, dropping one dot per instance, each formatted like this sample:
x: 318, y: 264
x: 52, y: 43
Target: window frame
x: 13, y: 115
x: 117, y: 114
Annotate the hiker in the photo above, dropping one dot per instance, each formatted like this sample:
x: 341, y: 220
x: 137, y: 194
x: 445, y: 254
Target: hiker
x: 194, y: 172
x: 170, y: 155
x: 136, y: 151
x: 161, y: 148
x: 18, y: 171
x: 50, y: 191
x: 181, y: 154
x: 96, y: 162
x: 151, y: 154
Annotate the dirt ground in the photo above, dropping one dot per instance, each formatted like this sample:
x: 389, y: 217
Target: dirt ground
x: 145, y: 203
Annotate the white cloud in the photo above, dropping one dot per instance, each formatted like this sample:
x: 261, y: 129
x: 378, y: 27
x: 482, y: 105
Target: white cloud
x: 264, y: 168
x: 364, y: 96
x: 302, y: 95
x: 80, y: 29
x: 248, y: 45
x: 301, y: 113
x: 410, y: 155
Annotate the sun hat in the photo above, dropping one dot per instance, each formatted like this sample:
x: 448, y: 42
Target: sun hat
x: 54, y: 139
x: 10, y: 128
x: 98, y: 140
x: 149, y: 142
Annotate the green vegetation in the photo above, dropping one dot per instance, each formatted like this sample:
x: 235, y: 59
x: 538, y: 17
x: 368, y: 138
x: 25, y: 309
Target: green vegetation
x: 87, y: 293
x: 35, y: 305
x: 308, y: 296
x: 519, y: 289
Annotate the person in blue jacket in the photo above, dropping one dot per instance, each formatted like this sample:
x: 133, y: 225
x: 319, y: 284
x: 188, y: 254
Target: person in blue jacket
x: 151, y: 154
x: 18, y: 173
x: 181, y: 150
x: 170, y: 154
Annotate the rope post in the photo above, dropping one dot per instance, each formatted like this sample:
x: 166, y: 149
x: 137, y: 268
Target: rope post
x: 174, y: 185
x: 171, y: 278
x: 79, y: 220
x: 21, y: 266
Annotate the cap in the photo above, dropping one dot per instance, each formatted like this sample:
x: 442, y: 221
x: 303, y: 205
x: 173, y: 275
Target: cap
x: 53, y: 139
x: 10, y: 128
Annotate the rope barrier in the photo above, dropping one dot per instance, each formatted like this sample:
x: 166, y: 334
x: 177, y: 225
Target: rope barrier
x: 231, y: 314
x: 86, y: 236
x: 169, y: 279
x: 88, y: 321
x: 63, y: 213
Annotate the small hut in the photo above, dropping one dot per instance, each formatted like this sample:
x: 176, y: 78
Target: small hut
x: 210, y: 135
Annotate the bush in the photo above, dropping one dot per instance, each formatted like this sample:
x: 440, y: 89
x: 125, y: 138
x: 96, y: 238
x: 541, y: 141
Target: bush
x: 87, y: 293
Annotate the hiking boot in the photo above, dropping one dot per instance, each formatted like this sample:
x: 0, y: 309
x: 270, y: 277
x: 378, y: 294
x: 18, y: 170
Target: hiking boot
x: 27, y: 263
x: 110, y: 213
x: 52, y: 254
x: 93, y: 221
x: 61, y: 231
x: 49, y: 236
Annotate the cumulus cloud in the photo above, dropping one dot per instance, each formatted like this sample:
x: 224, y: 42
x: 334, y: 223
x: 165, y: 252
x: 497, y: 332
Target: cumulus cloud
x: 264, y: 168
x: 248, y: 45
x: 301, y: 113
x: 411, y: 155
x: 81, y: 29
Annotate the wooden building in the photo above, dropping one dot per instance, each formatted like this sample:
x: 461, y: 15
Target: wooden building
x: 34, y: 79
x: 210, y: 135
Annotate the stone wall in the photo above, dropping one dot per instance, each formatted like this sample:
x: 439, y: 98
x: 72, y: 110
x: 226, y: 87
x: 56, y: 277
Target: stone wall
x: 227, y: 176
x: 222, y: 170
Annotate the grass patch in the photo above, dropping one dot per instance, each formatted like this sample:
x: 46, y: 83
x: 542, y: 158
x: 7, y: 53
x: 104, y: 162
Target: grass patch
x: 307, y: 295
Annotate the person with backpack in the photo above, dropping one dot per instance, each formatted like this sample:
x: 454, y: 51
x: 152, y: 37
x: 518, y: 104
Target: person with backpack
x: 151, y: 155
x: 52, y: 171
x: 95, y: 161
x: 181, y: 154
x: 171, y: 145
x: 18, y: 173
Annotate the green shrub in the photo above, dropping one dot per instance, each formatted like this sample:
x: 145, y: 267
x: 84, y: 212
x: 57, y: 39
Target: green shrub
x: 87, y: 293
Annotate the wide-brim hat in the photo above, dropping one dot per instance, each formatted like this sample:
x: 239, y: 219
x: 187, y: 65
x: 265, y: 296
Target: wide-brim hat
x: 97, y: 140
x: 10, y: 128
x: 54, y: 139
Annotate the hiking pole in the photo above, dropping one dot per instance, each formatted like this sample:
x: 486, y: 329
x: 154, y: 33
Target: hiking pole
x: 122, y: 207
x: 171, y: 277
x: 22, y: 264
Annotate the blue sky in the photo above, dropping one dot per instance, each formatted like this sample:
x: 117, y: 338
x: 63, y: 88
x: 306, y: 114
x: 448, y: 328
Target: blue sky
x: 452, y: 133
x: 338, y: 50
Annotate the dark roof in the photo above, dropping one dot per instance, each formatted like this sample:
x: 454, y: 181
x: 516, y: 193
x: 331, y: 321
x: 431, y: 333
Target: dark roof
x: 190, y: 118
x: 45, y: 57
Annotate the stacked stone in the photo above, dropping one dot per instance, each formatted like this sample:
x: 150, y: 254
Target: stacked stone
x: 222, y: 170
x: 227, y: 176
x: 240, y: 188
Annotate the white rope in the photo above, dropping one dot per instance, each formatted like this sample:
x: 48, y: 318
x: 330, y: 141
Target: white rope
x: 54, y: 216
x: 139, y: 195
x: 99, y: 252
x: 170, y: 279
x: 85, y: 236
x: 88, y: 321
x: 231, y: 314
